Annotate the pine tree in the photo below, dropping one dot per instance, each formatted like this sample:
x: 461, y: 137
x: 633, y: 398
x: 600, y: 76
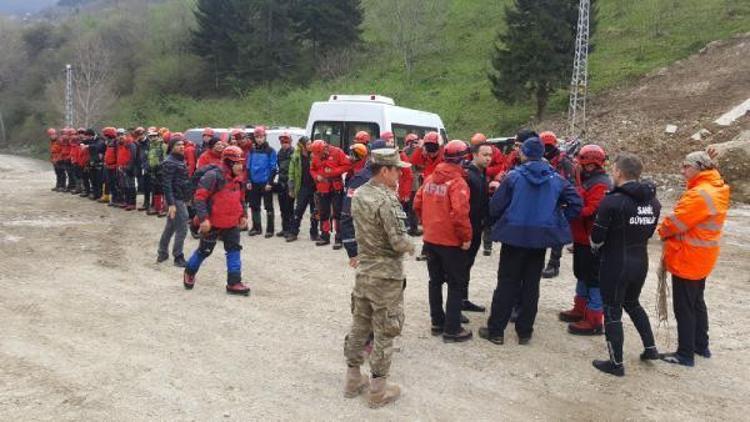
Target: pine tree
x: 212, y: 40
x: 534, y: 56
x: 328, y: 24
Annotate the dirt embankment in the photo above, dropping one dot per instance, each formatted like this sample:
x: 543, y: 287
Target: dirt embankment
x: 93, y: 329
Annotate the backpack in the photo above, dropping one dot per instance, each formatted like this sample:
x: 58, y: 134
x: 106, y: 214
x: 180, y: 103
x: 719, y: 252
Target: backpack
x: 198, y: 174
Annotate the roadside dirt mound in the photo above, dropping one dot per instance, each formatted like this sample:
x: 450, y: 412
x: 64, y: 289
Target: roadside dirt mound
x: 689, y: 94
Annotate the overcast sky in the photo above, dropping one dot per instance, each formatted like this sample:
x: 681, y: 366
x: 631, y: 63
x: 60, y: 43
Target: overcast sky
x: 24, y: 6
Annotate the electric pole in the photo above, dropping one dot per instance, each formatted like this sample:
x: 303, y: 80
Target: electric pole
x: 68, y: 95
x: 579, y: 81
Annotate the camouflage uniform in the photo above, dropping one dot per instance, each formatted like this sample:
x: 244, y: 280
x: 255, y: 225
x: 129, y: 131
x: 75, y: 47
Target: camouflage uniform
x: 378, y: 295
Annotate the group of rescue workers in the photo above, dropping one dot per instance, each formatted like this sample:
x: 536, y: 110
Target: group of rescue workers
x: 373, y: 199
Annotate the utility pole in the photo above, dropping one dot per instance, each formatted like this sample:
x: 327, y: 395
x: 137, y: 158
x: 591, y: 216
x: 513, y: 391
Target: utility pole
x: 68, y: 95
x: 579, y: 81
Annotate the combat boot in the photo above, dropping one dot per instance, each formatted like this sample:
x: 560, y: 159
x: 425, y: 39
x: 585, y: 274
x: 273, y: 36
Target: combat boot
x: 577, y: 313
x: 356, y: 383
x: 382, y: 393
x: 591, y: 325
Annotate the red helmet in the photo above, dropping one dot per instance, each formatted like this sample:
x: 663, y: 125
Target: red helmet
x: 233, y: 153
x: 318, y: 146
x: 139, y: 131
x: 478, y: 139
x: 259, y: 131
x: 412, y: 137
x: 51, y: 132
x: 548, y: 138
x: 166, y: 135
x: 362, y: 137
x: 592, y: 154
x: 206, y: 132
x: 285, y: 135
x: 455, y: 150
x: 109, y: 132
x: 432, y: 138
x: 237, y: 133
x: 386, y: 135
x: 178, y: 136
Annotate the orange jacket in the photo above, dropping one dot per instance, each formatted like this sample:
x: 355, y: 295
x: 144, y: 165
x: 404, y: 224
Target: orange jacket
x: 55, y: 150
x: 442, y: 204
x: 692, y: 232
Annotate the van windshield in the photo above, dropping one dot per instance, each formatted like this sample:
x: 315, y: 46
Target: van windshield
x: 340, y: 134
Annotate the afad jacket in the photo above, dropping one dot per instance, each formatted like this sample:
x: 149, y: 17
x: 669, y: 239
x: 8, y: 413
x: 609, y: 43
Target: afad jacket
x: 220, y: 198
x: 532, y: 207
x: 110, y: 154
x: 592, y: 191
x: 331, y: 167
x: 442, y: 204
x: 692, y: 232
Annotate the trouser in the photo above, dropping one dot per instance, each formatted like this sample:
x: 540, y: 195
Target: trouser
x: 487, y: 238
x: 305, y: 199
x: 126, y: 186
x: 258, y: 193
x: 176, y: 226
x: 144, y: 186
x: 97, y: 181
x: 471, y: 255
x: 286, y: 205
x: 377, y: 308
x: 691, y: 314
x: 114, y: 191
x: 518, y: 276
x: 71, y: 178
x: 140, y: 180
x: 154, y: 181
x: 77, y: 175
x: 586, y: 270
x: 446, y: 264
x: 621, y: 285
x: 60, y: 177
x: 555, y: 253
x: 232, y: 248
x: 86, y: 179
x: 411, y: 218
x: 330, y: 209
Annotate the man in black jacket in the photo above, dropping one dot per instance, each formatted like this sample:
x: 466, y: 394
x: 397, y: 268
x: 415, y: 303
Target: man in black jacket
x: 478, y: 210
x: 176, y: 185
x: 626, y: 219
x: 286, y: 202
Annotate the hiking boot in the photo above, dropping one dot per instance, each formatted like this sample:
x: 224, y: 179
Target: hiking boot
x: 484, y: 333
x: 650, y: 354
x: 291, y: 237
x: 551, y: 271
x: 188, y: 280
x: 705, y: 353
x: 471, y: 307
x: 382, y: 393
x: 337, y: 244
x: 238, y: 289
x: 355, y: 382
x: 487, y: 252
x: 179, y: 261
x: 281, y: 234
x: 677, y: 359
x: 268, y: 235
x: 524, y: 341
x: 253, y: 232
x: 460, y: 337
x: 591, y: 325
x: 161, y: 258
x: 436, y: 329
x: 577, y: 313
x: 325, y: 239
x: 608, y: 367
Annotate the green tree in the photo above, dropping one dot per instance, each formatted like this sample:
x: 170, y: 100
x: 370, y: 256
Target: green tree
x: 534, y: 56
x: 212, y: 39
x: 327, y: 25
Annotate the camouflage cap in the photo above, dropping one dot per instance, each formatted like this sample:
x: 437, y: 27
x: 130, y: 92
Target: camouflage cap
x: 388, y: 157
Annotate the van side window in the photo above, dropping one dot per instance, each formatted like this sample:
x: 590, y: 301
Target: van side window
x: 330, y: 132
x: 400, y: 131
x: 353, y: 127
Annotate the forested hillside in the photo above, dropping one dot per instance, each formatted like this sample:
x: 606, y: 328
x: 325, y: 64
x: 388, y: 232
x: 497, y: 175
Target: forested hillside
x: 144, y: 62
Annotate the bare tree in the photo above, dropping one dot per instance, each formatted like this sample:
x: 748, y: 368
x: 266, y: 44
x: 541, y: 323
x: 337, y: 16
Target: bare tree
x: 412, y: 28
x: 94, y: 79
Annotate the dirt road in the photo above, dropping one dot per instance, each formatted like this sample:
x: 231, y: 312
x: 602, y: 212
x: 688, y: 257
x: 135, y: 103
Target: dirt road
x: 93, y: 329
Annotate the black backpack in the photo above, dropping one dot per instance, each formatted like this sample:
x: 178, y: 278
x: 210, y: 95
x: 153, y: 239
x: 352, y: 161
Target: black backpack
x: 198, y: 174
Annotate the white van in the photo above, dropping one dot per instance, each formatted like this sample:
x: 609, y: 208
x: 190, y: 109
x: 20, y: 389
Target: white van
x: 337, y: 120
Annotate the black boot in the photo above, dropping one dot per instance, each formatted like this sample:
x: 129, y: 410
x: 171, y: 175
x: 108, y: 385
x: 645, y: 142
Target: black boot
x: 468, y: 306
x: 257, y: 229
x: 179, y: 261
x: 608, y: 367
x: 325, y: 239
x: 269, y: 224
x: 551, y: 271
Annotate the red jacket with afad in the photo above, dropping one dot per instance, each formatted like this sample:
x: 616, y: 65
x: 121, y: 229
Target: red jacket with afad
x: 220, y: 198
x: 425, y: 162
x: 442, y: 204
x: 405, y: 181
x: 330, y: 166
x: 592, y: 191
x: 692, y: 232
x: 125, y: 154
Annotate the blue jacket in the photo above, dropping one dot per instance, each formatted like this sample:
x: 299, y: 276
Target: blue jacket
x: 347, y: 222
x: 262, y: 165
x: 532, y: 207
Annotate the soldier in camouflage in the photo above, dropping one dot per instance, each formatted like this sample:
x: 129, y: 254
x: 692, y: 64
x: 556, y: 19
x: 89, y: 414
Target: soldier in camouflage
x: 377, y: 298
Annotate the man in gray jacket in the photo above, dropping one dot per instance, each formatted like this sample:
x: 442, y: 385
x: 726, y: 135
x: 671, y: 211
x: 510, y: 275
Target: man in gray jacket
x: 176, y: 185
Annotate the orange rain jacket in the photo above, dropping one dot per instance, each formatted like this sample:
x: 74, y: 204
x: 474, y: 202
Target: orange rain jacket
x: 692, y: 232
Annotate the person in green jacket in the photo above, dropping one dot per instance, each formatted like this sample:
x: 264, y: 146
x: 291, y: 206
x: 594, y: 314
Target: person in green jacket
x: 157, y: 152
x: 302, y: 189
